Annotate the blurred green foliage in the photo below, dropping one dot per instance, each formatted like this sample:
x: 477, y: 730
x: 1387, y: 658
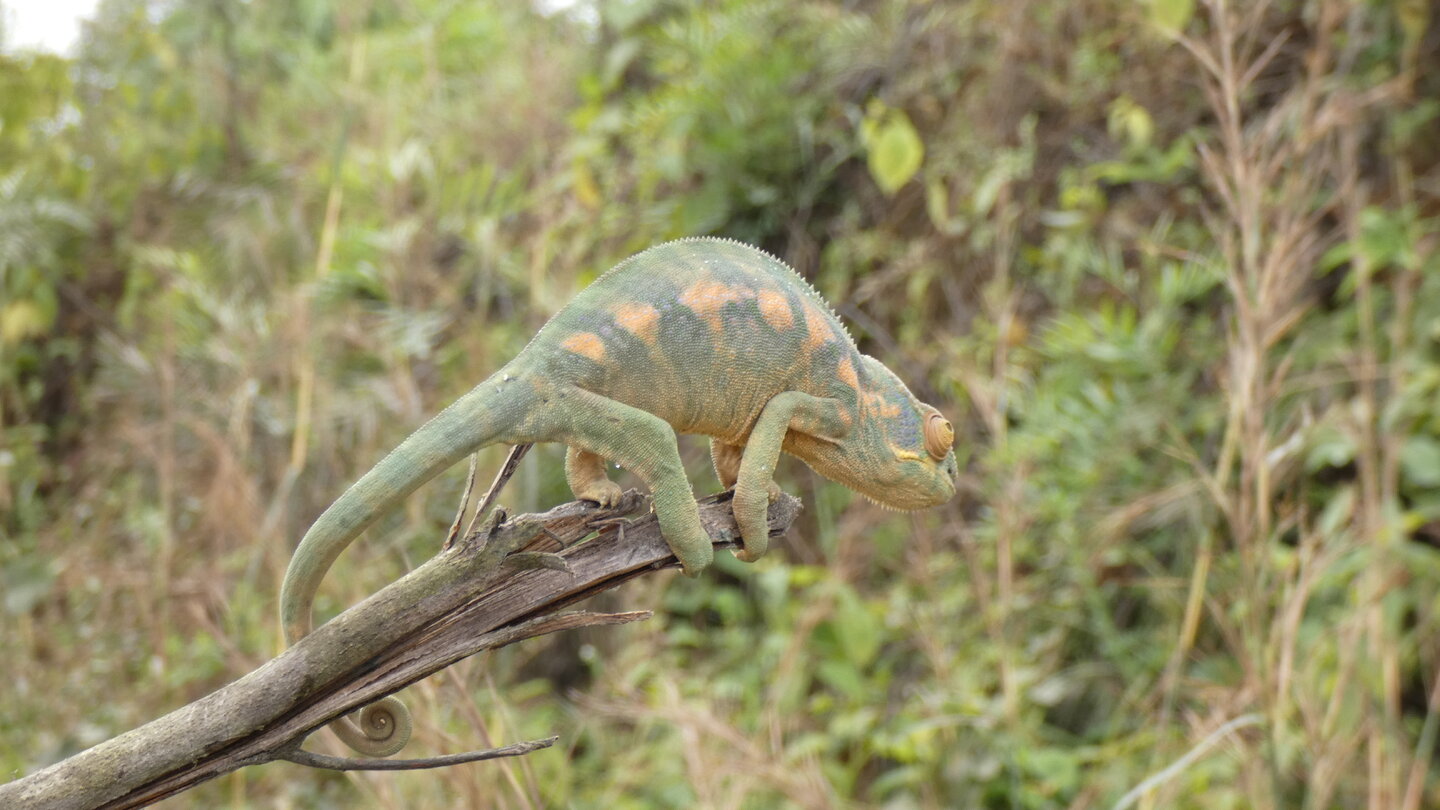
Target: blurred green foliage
x: 1170, y: 267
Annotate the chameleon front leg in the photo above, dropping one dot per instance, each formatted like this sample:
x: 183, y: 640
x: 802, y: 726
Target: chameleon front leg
x: 644, y: 444
x: 792, y: 410
x: 585, y: 472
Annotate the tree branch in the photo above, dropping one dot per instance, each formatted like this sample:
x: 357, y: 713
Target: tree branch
x: 470, y: 597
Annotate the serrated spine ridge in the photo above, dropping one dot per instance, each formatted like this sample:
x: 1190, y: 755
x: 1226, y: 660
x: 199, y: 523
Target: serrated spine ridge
x: 804, y: 282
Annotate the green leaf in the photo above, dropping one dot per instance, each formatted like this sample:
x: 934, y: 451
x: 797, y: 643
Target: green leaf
x: 1414, y: 19
x: 1171, y: 15
x: 618, y: 60
x: 937, y: 203
x: 842, y: 676
x: 1130, y: 121
x: 20, y: 320
x: 587, y: 191
x: 857, y: 629
x: 28, y: 581
x: 1420, y: 461
x: 1385, y: 238
x: 896, y: 151
x: 1338, y: 511
x: 987, y: 191
x: 1329, y: 447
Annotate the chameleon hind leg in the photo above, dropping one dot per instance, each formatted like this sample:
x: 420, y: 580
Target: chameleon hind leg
x: 585, y: 472
x: 726, y: 458
x: 644, y: 444
x: 754, y: 480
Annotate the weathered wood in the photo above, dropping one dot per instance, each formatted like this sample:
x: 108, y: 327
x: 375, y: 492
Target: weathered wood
x: 471, y: 597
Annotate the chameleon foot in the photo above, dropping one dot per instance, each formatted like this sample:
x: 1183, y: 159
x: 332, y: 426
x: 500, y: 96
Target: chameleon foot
x: 753, y: 521
x: 605, y: 492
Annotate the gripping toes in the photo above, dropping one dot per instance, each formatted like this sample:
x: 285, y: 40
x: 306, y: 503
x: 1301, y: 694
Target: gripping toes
x: 751, y: 505
x: 605, y: 492
x: 585, y: 472
x: 679, y: 518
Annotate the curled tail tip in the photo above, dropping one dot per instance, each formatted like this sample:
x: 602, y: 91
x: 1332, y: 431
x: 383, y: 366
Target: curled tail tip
x: 382, y: 730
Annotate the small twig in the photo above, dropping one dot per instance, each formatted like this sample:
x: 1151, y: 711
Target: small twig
x: 512, y: 462
x: 1178, y: 766
x: 545, y: 530
x: 528, y: 560
x: 605, y: 524
x: 464, y: 502
x: 299, y: 756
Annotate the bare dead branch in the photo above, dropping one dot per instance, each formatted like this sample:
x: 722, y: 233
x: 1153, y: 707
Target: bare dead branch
x: 466, y: 599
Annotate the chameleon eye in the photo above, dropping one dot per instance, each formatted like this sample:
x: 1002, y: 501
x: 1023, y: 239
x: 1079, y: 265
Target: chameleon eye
x: 939, y: 436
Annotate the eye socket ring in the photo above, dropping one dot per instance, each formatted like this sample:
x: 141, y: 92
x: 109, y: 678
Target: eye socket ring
x: 939, y: 436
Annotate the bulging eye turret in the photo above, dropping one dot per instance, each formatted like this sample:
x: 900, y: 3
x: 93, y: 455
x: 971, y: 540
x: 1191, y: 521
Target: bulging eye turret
x: 939, y: 436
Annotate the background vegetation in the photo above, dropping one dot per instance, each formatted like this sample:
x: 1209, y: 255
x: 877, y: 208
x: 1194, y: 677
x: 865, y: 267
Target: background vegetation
x: 1170, y: 266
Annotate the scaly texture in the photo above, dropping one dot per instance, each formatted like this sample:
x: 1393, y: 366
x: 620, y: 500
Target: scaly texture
x: 705, y: 336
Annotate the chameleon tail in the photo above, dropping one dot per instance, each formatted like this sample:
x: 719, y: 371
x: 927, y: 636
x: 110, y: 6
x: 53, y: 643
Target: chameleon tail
x: 490, y: 413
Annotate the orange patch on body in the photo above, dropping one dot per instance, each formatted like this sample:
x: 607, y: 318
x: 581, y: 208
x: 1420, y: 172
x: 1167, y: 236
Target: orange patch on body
x: 775, y: 308
x: 586, y: 344
x: 846, y: 372
x: 817, y: 328
x: 639, y: 320
x: 877, y: 404
x: 706, y: 298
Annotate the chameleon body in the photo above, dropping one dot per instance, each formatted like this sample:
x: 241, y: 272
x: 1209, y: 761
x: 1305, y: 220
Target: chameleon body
x: 703, y: 336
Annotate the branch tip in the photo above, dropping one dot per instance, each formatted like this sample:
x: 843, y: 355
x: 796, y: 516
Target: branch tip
x: 300, y: 756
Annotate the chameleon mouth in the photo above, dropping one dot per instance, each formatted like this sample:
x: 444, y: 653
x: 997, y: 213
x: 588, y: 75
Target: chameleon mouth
x: 912, y: 502
x: 908, y: 491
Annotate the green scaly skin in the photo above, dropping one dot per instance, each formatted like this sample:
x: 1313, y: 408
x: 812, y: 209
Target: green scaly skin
x: 703, y: 336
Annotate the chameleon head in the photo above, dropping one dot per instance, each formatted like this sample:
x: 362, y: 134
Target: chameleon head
x: 899, y: 453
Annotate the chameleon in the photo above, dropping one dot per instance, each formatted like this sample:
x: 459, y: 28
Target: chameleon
x: 702, y: 335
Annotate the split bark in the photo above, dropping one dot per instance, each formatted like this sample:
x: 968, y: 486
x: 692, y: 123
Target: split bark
x: 505, y: 582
